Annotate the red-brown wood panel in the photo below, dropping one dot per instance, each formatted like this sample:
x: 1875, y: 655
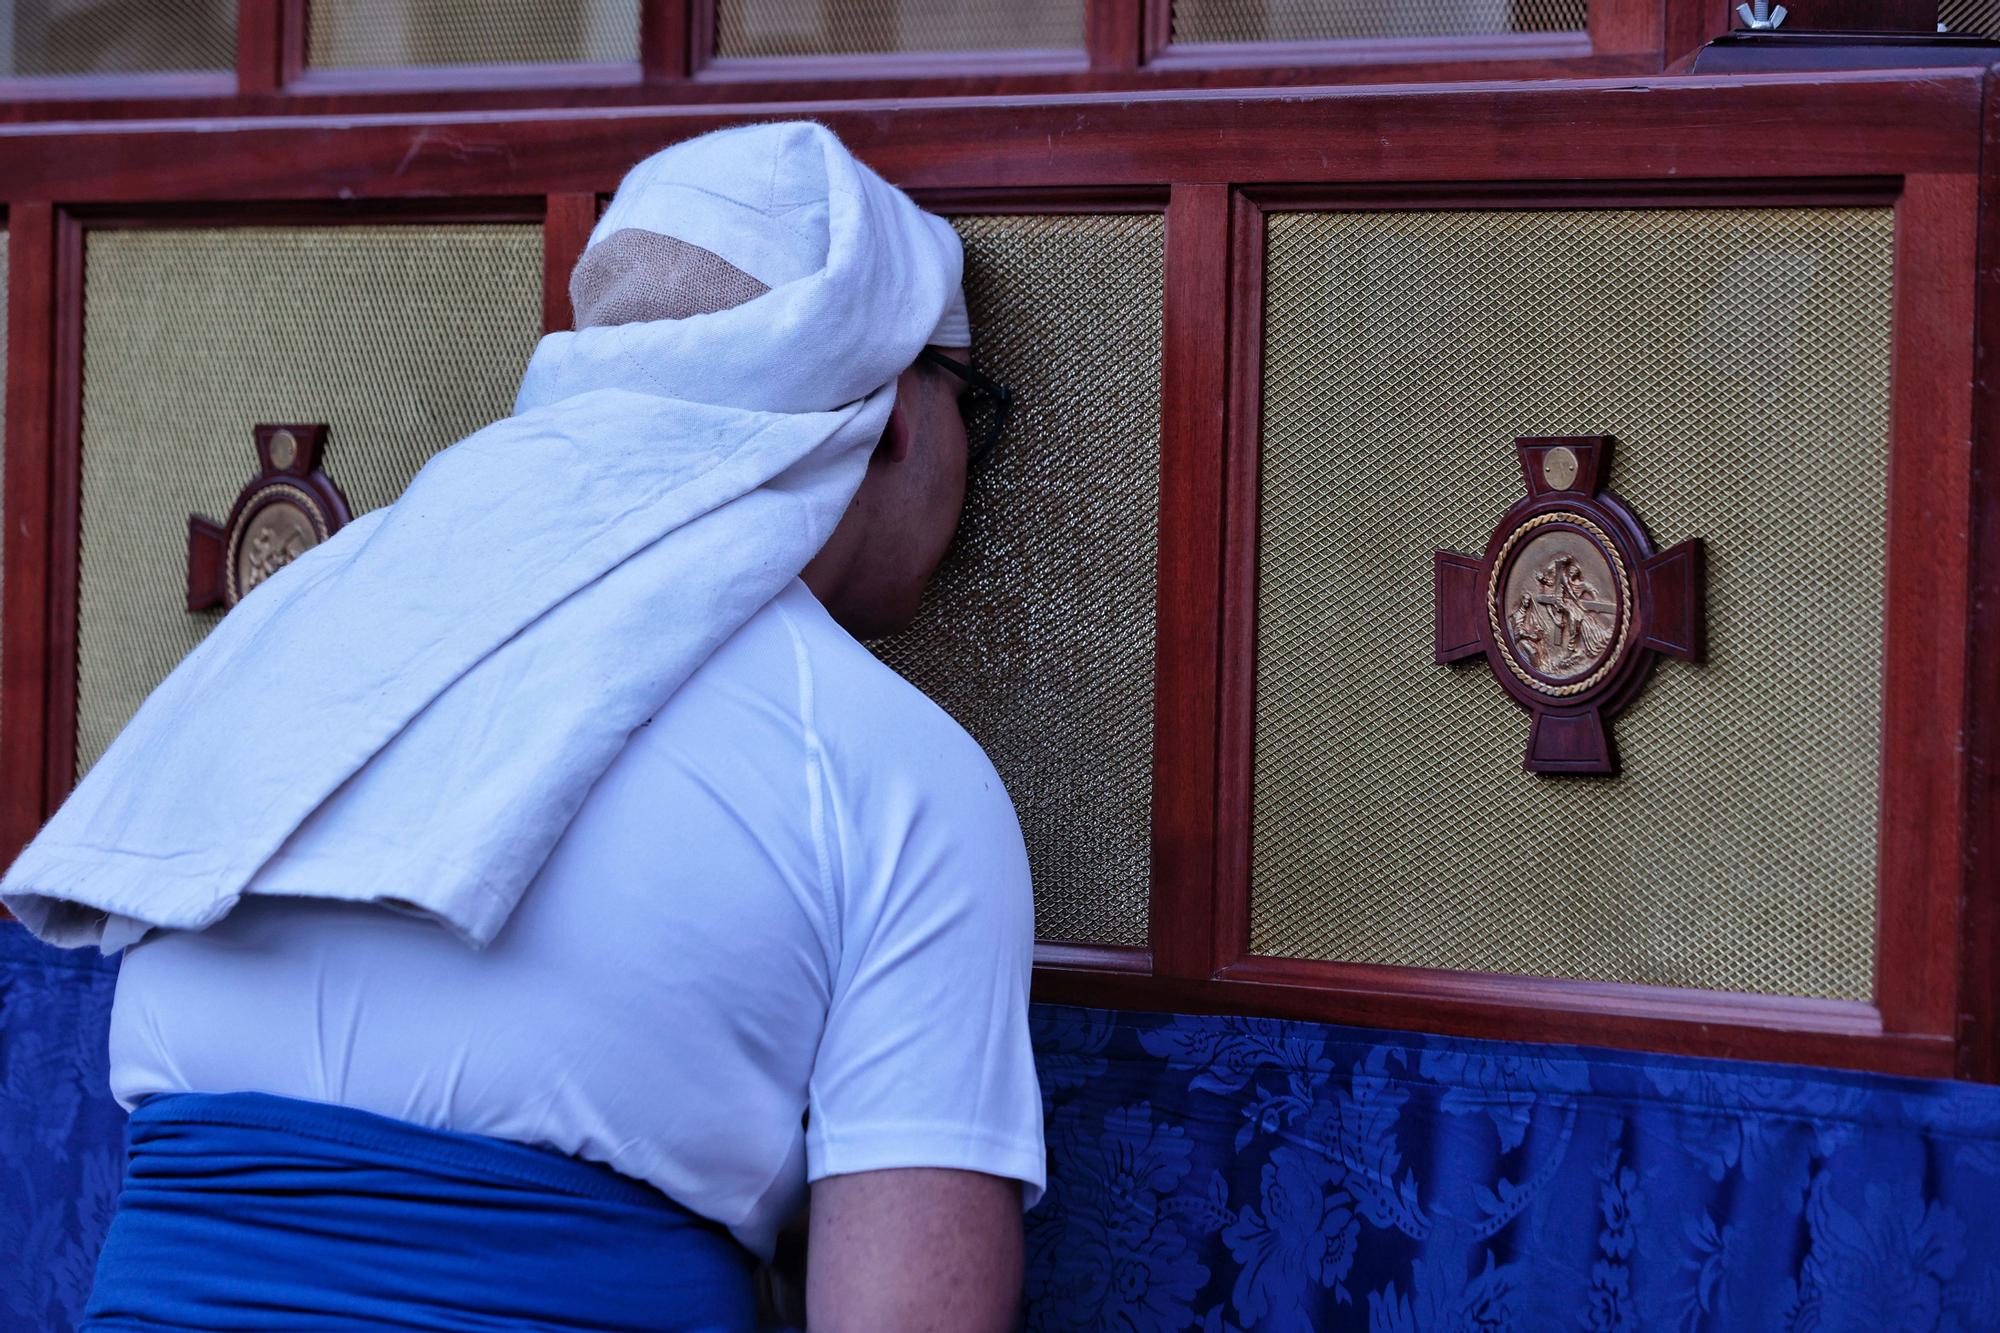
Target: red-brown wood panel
x: 1979, y: 997
x: 1236, y: 709
x: 259, y: 47
x: 24, y: 541
x: 1472, y: 1006
x: 565, y: 232
x: 1193, y: 370
x: 1651, y: 141
x: 1126, y: 48
x: 65, y: 465
x: 1112, y: 34
x: 1663, y: 129
x: 665, y: 45
x: 1923, y: 831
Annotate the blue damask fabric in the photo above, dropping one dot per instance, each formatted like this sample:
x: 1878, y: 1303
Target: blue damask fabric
x: 62, y: 1138
x: 1233, y: 1174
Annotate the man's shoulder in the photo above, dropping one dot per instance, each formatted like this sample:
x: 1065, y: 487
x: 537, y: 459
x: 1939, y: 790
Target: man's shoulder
x: 859, y: 700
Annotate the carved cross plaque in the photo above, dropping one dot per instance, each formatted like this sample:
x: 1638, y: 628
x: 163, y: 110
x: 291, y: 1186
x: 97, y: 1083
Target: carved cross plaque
x: 289, y: 507
x: 1570, y: 605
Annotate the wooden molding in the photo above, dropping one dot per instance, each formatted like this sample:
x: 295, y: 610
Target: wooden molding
x: 25, y: 537
x: 65, y: 444
x: 1193, y: 373
x: 1689, y: 26
x: 1670, y: 129
x: 565, y: 233
x: 1740, y: 1027
x: 665, y: 48
x: 1236, y: 713
x: 1628, y: 28
x: 1093, y: 958
x: 1922, y: 838
x: 1979, y: 931
x: 1113, y: 34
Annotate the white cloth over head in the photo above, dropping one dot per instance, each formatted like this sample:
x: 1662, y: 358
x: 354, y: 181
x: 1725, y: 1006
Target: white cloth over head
x: 412, y: 712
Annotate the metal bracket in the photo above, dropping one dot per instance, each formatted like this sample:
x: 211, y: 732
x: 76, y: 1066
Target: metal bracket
x: 1761, y: 16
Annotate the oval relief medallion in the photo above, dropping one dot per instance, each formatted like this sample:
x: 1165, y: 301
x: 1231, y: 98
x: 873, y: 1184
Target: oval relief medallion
x: 1560, y: 603
x: 277, y: 532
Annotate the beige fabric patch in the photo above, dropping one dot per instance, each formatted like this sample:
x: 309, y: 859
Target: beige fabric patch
x: 634, y: 276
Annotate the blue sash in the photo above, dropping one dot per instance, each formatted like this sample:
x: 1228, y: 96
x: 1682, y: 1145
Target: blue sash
x: 244, y: 1213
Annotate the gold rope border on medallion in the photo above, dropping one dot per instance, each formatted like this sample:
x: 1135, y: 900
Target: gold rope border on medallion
x: 1611, y: 658
x: 274, y: 493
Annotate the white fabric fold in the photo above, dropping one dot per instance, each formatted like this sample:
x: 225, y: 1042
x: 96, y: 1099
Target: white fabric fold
x: 412, y: 712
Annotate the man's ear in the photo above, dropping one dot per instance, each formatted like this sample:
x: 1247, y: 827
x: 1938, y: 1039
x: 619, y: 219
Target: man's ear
x: 895, y: 444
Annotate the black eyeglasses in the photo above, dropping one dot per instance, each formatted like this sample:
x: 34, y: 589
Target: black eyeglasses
x: 985, y: 406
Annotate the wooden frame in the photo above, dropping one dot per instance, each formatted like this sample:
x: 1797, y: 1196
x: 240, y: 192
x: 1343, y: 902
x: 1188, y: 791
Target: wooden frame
x: 1126, y: 47
x: 1979, y: 949
x: 1910, y: 1026
x: 1918, y: 140
x: 24, y: 539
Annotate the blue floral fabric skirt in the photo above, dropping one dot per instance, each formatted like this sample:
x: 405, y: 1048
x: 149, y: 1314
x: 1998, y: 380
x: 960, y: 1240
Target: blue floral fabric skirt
x: 244, y: 1213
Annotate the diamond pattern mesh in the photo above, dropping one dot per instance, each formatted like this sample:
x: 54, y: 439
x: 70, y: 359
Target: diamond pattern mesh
x: 1331, y: 20
x: 402, y: 338
x: 859, y: 27
x: 1972, y: 17
x: 1741, y: 358
x: 379, y: 33
x: 1038, y: 633
x: 116, y: 36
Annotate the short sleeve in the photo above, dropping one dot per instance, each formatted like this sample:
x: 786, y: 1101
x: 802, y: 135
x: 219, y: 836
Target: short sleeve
x: 925, y: 1059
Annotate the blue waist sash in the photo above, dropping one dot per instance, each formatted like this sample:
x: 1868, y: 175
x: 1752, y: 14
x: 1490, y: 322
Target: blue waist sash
x: 245, y: 1213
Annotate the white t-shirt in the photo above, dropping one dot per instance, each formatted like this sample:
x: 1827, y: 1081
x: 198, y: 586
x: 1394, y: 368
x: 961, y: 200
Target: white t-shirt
x: 788, y: 936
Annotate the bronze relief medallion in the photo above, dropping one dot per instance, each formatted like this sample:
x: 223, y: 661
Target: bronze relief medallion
x: 288, y: 508
x: 1570, y: 605
x: 282, y: 528
x: 1561, y: 603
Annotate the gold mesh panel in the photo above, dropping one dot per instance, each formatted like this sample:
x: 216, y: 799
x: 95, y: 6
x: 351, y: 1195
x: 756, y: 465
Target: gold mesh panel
x: 1038, y: 633
x: 1318, y: 20
x: 116, y: 36
x: 858, y: 27
x: 403, y: 339
x: 376, y: 33
x: 1971, y: 17
x: 1741, y: 358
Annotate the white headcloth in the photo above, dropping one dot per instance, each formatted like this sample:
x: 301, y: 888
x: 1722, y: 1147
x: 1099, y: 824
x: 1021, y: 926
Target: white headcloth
x: 412, y: 712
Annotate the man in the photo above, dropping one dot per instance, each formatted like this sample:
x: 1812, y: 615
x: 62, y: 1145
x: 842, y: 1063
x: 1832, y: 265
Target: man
x: 746, y: 911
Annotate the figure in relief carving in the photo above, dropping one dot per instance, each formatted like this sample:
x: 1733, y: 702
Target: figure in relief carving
x: 1565, y: 626
x: 279, y: 536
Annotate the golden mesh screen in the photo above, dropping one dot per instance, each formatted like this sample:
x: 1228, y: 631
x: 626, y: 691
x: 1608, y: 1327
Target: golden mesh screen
x: 401, y: 338
x: 377, y: 33
x: 1331, y: 20
x: 1038, y: 633
x: 1741, y: 358
x: 856, y: 27
x: 1973, y: 17
x: 116, y: 36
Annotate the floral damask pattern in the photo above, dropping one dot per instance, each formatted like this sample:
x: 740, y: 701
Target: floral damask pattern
x: 1237, y: 1175
x: 62, y: 1138
x: 1329, y: 1178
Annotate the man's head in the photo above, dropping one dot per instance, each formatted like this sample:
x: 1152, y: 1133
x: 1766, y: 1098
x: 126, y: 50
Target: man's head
x: 872, y: 573
x: 735, y: 217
